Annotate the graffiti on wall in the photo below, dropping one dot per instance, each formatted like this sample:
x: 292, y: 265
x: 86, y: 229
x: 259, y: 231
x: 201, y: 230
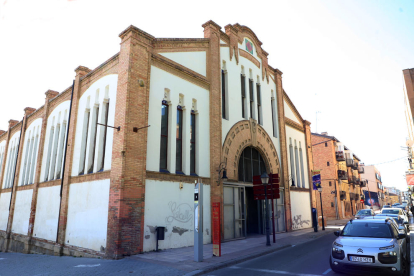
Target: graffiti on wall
x: 298, y: 222
x: 179, y: 212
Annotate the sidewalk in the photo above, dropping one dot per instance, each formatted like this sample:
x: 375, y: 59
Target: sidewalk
x: 233, y: 252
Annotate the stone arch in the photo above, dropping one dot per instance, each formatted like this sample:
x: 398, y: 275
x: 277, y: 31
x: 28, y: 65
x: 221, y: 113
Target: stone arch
x: 244, y: 134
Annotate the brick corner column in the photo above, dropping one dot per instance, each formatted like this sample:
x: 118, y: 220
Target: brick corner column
x: 49, y: 95
x: 27, y: 112
x: 212, y: 32
x: 284, y: 172
x: 63, y: 213
x: 126, y: 207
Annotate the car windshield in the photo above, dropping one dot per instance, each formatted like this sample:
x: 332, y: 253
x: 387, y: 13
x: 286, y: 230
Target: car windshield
x: 368, y: 230
x: 390, y: 211
x: 364, y: 212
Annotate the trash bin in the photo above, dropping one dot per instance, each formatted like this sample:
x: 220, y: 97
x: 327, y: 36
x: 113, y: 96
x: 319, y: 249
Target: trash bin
x: 160, y: 235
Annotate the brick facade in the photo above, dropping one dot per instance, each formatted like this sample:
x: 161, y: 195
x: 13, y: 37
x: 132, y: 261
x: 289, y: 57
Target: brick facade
x: 128, y: 173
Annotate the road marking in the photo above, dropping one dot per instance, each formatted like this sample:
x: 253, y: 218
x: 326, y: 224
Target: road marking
x: 326, y: 272
x: 273, y: 271
x: 88, y: 265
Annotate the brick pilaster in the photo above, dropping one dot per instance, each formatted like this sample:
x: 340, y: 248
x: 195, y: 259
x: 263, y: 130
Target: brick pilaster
x: 63, y: 215
x: 308, y: 140
x: 28, y: 111
x: 212, y: 32
x: 49, y: 95
x: 284, y: 172
x: 128, y: 170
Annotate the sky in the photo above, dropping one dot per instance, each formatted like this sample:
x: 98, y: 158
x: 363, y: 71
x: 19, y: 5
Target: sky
x: 342, y: 60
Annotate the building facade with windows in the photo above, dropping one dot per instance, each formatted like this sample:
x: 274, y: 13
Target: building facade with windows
x: 101, y: 165
x: 374, y: 191
x: 341, y: 177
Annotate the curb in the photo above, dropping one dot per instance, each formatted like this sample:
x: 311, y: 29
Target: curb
x: 245, y: 258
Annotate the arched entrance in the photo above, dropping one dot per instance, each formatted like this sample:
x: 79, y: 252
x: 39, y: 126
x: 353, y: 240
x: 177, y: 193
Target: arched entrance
x: 248, y: 150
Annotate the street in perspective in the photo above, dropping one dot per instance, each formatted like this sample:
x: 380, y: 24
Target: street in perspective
x: 217, y: 138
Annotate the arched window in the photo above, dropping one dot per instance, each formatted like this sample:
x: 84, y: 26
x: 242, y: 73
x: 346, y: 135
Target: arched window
x: 250, y: 163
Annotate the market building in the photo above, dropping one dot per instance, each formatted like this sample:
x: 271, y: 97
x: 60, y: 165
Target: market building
x: 101, y: 165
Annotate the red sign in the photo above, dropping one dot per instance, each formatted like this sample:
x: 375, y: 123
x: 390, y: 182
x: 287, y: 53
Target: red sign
x: 216, y: 229
x: 362, y: 201
x: 410, y: 179
x: 272, y: 189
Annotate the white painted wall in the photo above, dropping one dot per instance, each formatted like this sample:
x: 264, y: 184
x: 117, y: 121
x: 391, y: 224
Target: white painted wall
x: 22, y: 212
x: 30, y: 152
x: 107, y: 90
x: 2, y: 155
x: 47, y: 213
x: 299, y: 137
x: 4, y: 210
x: 59, y: 116
x: 87, y: 221
x: 11, y: 160
x: 169, y: 206
x: 289, y: 113
x: 234, y: 95
x: 161, y: 80
x: 195, y: 61
x: 301, y: 210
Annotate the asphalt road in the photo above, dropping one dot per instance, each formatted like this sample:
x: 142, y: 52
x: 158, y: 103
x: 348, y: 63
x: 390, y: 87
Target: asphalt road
x: 309, y: 259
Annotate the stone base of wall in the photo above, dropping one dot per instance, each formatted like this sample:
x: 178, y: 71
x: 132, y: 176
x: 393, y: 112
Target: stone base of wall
x: 23, y: 244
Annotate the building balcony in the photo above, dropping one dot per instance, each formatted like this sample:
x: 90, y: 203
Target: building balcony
x: 349, y: 162
x: 355, y: 166
x: 351, y: 179
x: 356, y: 197
x: 361, y: 169
x: 363, y: 183
x: 342, y: 195
x: 357, y: 181
x: 340, y: 156
x: 342, y: 175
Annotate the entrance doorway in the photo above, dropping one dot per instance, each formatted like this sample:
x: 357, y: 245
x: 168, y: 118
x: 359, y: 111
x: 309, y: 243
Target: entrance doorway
x: 244, y: 216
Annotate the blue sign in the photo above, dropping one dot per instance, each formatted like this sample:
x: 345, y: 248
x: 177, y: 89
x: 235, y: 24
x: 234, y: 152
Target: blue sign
x: 371, y: 199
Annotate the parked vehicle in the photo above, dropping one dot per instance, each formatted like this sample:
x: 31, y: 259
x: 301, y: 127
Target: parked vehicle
x: 401, y: 223
x: 396, y: 211
x: 370, y: 245
x: 386, y: 206
x: 364, y: 213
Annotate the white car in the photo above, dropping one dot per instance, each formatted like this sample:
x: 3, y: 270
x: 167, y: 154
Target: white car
x: 395, y: 211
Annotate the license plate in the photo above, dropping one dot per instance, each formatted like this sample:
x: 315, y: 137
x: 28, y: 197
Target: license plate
x: 360, y: 259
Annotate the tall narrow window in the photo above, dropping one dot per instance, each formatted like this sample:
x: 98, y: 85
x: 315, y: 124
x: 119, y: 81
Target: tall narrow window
x: 297, y: 165
x: 243, y: 94
x: 164, y: 136
x: 84, y: 142
x: 61, y: 151
x: 54, y: 153
x: 32, y: 169
x: 25, y: 161
x: 273, y: 105
x: 1, y: 160
x: 302, y: 170
x: 179, y: 141
x: 193, y: 144
x: 251, y: 98
x: 103, y: 139
x: 29, y: 162
x: 259, y: 103
x: 292, y: 165
x: 49, y: 153
x: 93, y: 139
x: 223, y: 94
x: 9, y: 167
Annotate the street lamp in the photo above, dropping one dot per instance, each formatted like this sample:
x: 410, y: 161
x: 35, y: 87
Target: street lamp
x: 320, y: 193
x: 265, y: 181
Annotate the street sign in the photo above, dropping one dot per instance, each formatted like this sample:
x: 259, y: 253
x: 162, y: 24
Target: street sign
x: 362, y: 201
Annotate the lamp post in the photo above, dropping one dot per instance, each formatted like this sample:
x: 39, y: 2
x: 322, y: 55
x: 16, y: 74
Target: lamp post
x: 265, y: 181
x: 320, y: 194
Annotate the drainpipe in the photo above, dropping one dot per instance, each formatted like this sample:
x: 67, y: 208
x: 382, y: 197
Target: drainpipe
x: 64, y: 162
x: 15, y: 165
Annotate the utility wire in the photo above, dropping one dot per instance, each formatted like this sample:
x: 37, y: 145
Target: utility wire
x: 387, y: 161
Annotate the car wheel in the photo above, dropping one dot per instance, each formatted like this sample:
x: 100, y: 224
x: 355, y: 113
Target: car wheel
x: 332, y: 266
x: 404, y: 267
